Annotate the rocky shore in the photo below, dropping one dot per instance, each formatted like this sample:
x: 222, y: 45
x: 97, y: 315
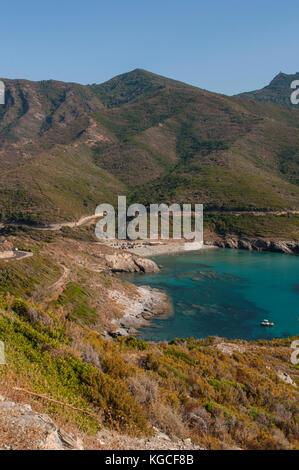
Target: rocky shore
x: 257, y: 244
x: 134, y: 262
x: 146, y: 302
x: 138, y: 311
x: 124, y: 262
x: 149, y: 302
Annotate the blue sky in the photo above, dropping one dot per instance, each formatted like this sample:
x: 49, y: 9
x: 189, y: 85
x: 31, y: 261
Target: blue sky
x: 227, y: 46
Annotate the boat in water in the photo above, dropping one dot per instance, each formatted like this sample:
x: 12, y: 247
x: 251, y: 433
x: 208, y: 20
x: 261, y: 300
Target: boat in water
x: 267, y: 323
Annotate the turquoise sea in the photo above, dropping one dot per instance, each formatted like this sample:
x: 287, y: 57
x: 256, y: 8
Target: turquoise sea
x: 226, y: 293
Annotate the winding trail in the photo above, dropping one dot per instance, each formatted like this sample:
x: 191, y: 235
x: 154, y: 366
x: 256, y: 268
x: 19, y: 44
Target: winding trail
x: 88, y: 220
x: 82, y: 222
x: 57, y: 288
x: 61, y: 282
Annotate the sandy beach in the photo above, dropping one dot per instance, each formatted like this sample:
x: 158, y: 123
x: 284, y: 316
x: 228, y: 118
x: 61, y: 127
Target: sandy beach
x: 169, y: 248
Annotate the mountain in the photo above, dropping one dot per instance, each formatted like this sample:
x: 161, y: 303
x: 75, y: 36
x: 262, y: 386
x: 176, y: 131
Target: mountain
x: 65, y: 147
x: 278, y: 91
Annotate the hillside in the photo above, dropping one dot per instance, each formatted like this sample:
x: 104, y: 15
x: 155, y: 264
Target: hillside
x: 278, y: 91
x: 64, y: 148
x: 212, y: 393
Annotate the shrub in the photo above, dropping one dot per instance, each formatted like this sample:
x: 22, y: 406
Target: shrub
x: 197, y: 417
x: 87, y: 353
x: 143, y: 388
x: 133, y: 343
x: 163, y: 417
x: 31, y: 314
x: 116, y: 402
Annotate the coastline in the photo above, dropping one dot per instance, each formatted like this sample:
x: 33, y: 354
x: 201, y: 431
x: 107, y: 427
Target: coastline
x: 138, y: 312
x: 169, y: 248
x: 290, y: 247
x: 149, y: 302
x: 154, y: 302
x: 213, y: 241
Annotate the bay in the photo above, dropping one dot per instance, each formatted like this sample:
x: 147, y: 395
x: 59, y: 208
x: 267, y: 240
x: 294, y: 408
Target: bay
x: 226, y: 293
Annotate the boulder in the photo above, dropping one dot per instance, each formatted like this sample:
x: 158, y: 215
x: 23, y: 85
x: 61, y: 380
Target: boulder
x: 24, y: 429
x: 231, y: 243
x: 245, y: 244
x: 130, y: 263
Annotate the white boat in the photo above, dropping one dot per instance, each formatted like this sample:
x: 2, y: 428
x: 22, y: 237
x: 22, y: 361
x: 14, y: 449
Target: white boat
x: 267, y: 323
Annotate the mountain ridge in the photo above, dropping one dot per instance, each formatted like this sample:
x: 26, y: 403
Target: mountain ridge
x: 66, y: 147
x: 278, y: 91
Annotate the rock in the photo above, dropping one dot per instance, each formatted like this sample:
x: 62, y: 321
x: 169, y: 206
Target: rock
x: 130, y: 263
x: 22, y: 428
x: 280, y: 247
x: 294, y: 246
x: 139, y: 310
x: 68, y: 441
x: 259, y: 244
x: 162, y: 435
x: 220, y: 243
x: 230, y: 348
x: 52, y: 442
x: 146, y: 265
x: 286, y: 378
x: 158, y: 441
x: 231, y: 243
x: 244, y: 244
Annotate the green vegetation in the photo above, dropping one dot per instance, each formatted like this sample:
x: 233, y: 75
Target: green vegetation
x: 188, y: 143
x: 149, y: 137
x: 185, y: 388
x: 50, y: 366
x: 156, y: 140
x: 277, y: 92
x: 130, y: 86
x: 24, y: 279
x: 254, y: 226
x: 77, y: 301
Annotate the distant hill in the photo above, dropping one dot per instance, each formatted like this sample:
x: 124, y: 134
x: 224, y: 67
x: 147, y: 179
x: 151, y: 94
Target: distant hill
x: 64, y: 148
x: 278, y: 91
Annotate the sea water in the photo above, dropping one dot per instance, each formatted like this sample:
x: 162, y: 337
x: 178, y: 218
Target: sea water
x: 226, y: 293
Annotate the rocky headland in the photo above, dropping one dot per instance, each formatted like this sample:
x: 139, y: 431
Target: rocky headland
x: 138, y: 311
x: 257, y: 244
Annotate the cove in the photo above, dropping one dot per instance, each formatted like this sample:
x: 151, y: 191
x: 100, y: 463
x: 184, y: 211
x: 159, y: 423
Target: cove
x: 226, y: 293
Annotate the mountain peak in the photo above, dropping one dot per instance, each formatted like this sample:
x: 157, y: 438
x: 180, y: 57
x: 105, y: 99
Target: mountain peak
x: 284, y: 79
x: 278, y: 91
x: 130, y: 86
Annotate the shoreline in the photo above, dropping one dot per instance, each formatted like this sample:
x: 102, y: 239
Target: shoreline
x: 169, y: 248
x: 289, y: 247
x: 152, y: 302
x: 254, y: 244
x: 138, y: 312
